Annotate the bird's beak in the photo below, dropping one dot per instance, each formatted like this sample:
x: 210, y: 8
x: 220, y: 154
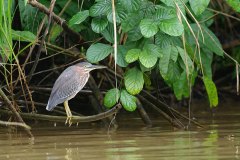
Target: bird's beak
x: 97, y: 67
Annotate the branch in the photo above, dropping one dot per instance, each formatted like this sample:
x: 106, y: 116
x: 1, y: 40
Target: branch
x: 56, y: 18
x: 15, y: 124
x: 14, y: 111
x: 74, y: 119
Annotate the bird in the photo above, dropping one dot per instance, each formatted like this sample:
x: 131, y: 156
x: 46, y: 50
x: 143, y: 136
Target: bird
x: 68, y: 84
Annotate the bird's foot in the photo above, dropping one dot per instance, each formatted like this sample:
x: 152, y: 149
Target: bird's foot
x: 68, y: 121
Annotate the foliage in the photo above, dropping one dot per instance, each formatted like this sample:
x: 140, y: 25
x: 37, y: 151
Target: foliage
x: 151, y: 35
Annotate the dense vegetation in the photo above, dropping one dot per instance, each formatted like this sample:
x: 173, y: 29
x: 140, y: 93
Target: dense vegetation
x: 167, y: 43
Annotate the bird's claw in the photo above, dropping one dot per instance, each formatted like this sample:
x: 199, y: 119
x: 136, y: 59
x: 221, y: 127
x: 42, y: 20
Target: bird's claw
x: 68, y: 121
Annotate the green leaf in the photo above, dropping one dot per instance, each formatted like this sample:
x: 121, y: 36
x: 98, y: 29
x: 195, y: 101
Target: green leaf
x: 153, y: 49
x: 120, y: 15
x: 211, y: 91
x: 79, y: 17
x: 210, y: 40
x: 108, y: 33
x: 180, y: 87
x: 97, y: 52
x: 25, y: 36
x: 171, y: 26
x: 234, y: 4
x: 134, y: 34
x: 164, y: 61
x: 25, y: 2
x: 186, y: 59
x: 111, y: 97
x: 174, y: 53
x: 133, y: 81
x: 173, y: 74
x: 148, y: 28
x: 199, y: 6
x: 163, y: 40
x: 132, y: 55
x: 163, y: 13
x: 131, y: 21
x: 99, y: 24
x: 102, y: 7
x: 121, y: 54
x: 148, y: 59
x: 128, y: 101
x: 130, y: 5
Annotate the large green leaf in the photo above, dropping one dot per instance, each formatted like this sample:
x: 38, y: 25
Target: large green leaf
x: 171, y: 26
x: 148, y: 28
x: 99, y: 24
x: 148, y: 59
x: 211, y: 91
x: 164, y: 61
x: 132, y: 55
x: 173, y: 74
x: 153, y: 49
x: 134, y: 34
x: 30, y: 17
x: 122, y: 51
x: 102, y: 7
x: 130, y: 5
x: 173, y: 3
x: 131, y: 21
x: 198, y: 6
x: 210, y: 40
x: 174, y: 53
x: 181, y: 87
x: 111, y: 97
x: 108, y: 33
x: 134, y: 81
x: 25, y: 36
x: 162, y: 13
x: 128, y: 101
x: 97, y: 52
x: 79, y: 17
x: 163, y: 40
x: 120, y: 14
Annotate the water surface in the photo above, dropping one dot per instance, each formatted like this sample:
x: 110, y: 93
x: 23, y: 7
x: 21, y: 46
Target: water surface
x: 220, y: 139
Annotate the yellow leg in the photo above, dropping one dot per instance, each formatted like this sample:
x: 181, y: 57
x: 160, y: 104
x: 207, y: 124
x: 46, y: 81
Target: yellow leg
x: 68, y: 112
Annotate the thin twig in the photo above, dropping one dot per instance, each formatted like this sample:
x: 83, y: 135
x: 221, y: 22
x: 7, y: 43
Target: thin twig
x: 14, y: 111
x: 4, y: 123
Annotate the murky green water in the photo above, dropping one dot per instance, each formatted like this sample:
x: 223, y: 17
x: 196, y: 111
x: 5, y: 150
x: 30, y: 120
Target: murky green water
x: 219, y: 140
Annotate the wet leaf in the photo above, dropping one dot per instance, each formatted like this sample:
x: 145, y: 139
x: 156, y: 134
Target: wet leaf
x: 148, y: 59
x: 111, y: 97
x: 25, y: 36
x: 99, y: 24
x: 134, y: 81
x: 132, y: 55
x: 98, y: 52
x: 148, y: 28
x: 199, y: 6
x: 171, y: 27
x: 211, y: 91
x: 79, y: 17
x: 128, y: 101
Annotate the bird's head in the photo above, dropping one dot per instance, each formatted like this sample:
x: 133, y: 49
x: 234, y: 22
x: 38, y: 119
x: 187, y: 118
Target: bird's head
x: 86, y: 66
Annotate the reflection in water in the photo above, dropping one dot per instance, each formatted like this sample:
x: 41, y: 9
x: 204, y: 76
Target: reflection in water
x: 220, y: 140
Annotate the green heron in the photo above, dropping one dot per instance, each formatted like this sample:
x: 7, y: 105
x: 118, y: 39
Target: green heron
x: 68, y: 84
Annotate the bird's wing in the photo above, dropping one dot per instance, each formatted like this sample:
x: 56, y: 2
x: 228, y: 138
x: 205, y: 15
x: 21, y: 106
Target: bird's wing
x: 68, y: 84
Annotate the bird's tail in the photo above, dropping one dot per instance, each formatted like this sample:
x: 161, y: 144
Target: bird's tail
x: 49, y: 107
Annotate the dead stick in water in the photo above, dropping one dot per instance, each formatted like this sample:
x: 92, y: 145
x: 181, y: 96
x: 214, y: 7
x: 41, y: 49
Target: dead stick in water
x: 75, y: 119
x: 4, y: 123
x: 14, y: 111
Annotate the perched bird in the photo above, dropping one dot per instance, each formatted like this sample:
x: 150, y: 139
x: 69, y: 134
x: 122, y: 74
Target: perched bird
x: 68, y: 84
